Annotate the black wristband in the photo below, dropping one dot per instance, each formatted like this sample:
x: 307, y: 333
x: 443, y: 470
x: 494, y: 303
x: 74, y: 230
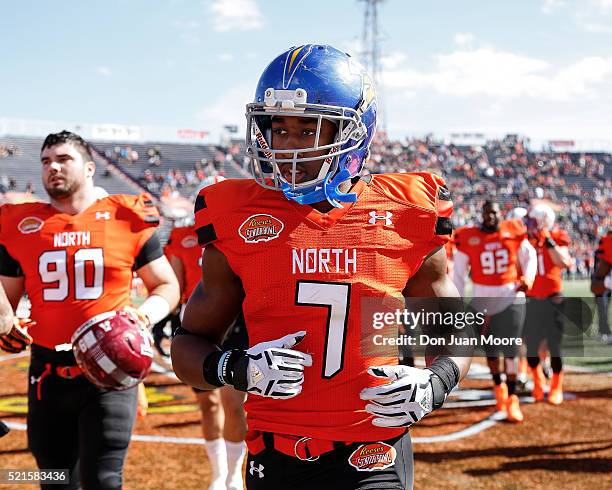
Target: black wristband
x: 218, y: 367
x: 445, y: 377
x: 240, y: 370
x: 210, y: 368
x: 439, y: 392
x: 550, y: 243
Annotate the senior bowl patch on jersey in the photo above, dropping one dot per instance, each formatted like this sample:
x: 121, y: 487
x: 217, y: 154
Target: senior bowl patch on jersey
x: 31, y: 224
x: 373, y: 457
x: 189, y: 241
x: 260, y: 228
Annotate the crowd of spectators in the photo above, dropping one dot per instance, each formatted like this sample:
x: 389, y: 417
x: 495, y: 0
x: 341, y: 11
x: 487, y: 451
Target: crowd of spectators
x: 175, y: 180
x: 9, y: 151
x: 577, y: 185
x: 127, y: 155
x: 7, y: 183
x: 122, y: 154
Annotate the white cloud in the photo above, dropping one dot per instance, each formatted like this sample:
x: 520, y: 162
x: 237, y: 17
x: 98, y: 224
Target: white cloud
x: 549, y: 6
x: 236, y: 15
x: 464, y: 39
x: 394, y: 60
x: 103, y: 71
x: 489, y: 72
x: 594, y: 16
x: 603, y: 5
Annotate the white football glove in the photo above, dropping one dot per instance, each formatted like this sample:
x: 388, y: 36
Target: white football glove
x: 406, y: 399
x: 608, y: 281
x: 274, y: 369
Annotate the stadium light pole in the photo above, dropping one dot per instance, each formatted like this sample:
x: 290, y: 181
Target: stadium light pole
x: 370, y: 52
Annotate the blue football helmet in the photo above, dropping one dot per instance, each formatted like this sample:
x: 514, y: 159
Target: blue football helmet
x: 321, y: 82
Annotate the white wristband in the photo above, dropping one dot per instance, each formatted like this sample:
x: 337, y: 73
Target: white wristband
x: 156, y: 308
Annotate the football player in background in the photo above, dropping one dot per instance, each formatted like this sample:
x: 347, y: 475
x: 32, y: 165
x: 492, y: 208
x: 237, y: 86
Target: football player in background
x: 503, y: 266
x: 74, y: 257
x: 8, y: 334
x: 7, y: 318
x: 601, y: 284
x: 301, y: 249
x: 223, y: 418
x: 520, y: 213
x: 544, y: 321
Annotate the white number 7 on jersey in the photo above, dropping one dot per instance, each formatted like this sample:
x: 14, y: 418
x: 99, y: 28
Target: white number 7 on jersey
x: 336, y: 298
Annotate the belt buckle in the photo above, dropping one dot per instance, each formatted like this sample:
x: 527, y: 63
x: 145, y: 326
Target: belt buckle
x: 295, y: 449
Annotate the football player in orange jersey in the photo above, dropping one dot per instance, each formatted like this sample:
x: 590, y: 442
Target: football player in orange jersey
x: 6, y: 314
x: 7, y: 327
x: 495, y: 251
x: 223, y: 418
x: 544, y: 321
x: 601, y: 283
x: 301, y: 249
x: 74, y: 257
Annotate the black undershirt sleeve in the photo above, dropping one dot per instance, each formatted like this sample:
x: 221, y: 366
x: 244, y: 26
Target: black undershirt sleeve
x: 8, y: 265
x: 150, y: 251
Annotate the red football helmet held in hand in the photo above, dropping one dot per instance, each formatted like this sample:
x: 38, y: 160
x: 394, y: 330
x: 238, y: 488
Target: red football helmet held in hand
x: 113, y: 350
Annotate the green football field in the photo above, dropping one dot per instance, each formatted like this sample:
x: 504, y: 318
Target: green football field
x: 597, y: 356
x: 583, y: 349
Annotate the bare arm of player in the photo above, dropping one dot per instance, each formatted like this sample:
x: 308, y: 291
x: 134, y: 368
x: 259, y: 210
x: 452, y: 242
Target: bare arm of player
x: 597, y: 280
x: 16, y: 338
x: 212, y: 308
x: 560, y: 256
x: 528, y: 260
x: 160, y: 281
x: 179, y: 271
x: 6, y: 313
x: 431, y: 281
x: 13, y: 289
x: 461, y: 265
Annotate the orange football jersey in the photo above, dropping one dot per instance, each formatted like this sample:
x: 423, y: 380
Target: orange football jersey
x: 548, y: 277
x: 76, y: 267
x: 183, y: 244
x: 322, y: 272
x: 604, y: 249
x: 493, y: 255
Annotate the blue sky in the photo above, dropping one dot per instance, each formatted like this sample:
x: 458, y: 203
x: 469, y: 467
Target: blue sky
x: 538, y: 67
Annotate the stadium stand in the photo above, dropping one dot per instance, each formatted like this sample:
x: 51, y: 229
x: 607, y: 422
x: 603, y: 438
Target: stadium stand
x: 162, y: 168
x: 578, y: 184
x: 24, y: 167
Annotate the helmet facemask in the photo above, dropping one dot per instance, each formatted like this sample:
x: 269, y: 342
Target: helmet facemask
x: 265, y: 162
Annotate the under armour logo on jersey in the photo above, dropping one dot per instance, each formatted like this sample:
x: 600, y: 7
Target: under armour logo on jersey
x: 386, y: 217
x: 104, y: 215
x: 256, y: 469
